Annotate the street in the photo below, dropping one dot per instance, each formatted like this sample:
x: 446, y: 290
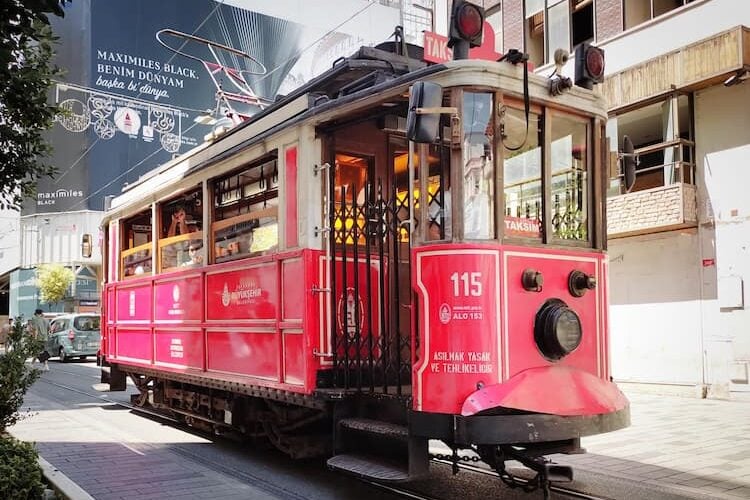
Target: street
x: 113, y: 452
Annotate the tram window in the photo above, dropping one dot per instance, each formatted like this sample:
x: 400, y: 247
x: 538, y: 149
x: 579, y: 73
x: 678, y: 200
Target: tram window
x: 181, y: 229
x: 135, y: 256
x: 352, y: 173
x: 522, y: 174
x: 569, y: 178
x: 478, y: 170
x: 438, y: 196
x: 246, y: 212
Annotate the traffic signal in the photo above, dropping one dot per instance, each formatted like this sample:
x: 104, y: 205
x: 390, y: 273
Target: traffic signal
x: 589, y: 66
x: 466, y: 28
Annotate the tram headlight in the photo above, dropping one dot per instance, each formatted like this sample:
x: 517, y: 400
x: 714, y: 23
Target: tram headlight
x: 557, y: 329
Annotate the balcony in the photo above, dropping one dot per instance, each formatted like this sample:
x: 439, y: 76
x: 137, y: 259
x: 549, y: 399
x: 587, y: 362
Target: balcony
x: 654, y: 210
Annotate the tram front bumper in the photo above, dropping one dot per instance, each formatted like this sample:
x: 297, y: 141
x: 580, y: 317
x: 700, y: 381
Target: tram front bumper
x: 514, y: 429
x: 538, y: 405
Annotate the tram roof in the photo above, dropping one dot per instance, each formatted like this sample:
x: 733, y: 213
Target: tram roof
x: 356, y: 83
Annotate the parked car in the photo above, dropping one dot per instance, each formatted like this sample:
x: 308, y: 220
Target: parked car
x: 74, y: 335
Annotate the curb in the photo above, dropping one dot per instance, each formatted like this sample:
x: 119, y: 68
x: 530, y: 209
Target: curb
x: 61, y: 483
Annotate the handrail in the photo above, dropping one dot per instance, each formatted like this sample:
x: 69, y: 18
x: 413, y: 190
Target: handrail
x: 171, y: 240
x: 663, y: 145
x: 131, y: 251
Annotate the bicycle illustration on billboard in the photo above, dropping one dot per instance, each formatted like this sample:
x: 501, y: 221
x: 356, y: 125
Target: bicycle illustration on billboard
x: 238, y: 104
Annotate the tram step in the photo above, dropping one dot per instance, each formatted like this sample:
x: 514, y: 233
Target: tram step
x: 379, y: 427
x: 370, y: 467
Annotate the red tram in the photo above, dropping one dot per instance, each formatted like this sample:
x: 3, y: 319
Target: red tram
x: 315, y: 277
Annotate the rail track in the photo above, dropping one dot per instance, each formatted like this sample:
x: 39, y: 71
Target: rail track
x: 397, y: 490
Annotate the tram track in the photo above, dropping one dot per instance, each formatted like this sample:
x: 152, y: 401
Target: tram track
x: 554, y: 488
x: 278, y: 490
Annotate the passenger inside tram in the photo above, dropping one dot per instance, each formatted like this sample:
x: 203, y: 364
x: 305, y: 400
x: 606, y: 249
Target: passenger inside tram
x: 181, y: 223
x: 195, y: 254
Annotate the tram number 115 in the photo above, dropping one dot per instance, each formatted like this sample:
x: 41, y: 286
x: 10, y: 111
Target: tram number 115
x: 467, y: 284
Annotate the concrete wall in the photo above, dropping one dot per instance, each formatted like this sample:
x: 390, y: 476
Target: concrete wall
x: 722, y: 117
x: 56, y: 238
x: 655, y: 308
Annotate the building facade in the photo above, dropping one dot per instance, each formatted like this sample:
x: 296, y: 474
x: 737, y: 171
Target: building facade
x: 679, y: 241
x: 145, y: 81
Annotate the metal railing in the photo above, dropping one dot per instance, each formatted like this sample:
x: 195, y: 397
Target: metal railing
x: 680, y: 171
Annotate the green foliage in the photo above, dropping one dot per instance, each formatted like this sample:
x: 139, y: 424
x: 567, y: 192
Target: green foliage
x: 53, y: 281
x: 15, y: 375
x: 20, y: 474
x: 26, y: 73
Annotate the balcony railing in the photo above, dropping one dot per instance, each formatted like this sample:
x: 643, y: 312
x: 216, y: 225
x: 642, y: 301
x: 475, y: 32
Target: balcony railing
x: 663, y: 174
x: 663, y: 197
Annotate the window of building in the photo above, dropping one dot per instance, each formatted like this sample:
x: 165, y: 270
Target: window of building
x: 637, y: 12
x: 135, y: 255
x: 662, y: 136
x: 181, y: 232
x: 418, y: 18
x: 556, y: 24
x: 245, y: 205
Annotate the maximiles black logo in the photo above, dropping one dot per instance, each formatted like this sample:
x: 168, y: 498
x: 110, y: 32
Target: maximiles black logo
x: 49, y: 198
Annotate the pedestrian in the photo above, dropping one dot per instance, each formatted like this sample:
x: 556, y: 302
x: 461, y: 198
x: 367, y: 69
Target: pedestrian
x: 40, y: 332
x: 5, y: 333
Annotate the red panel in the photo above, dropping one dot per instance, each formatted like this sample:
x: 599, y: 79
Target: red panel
x: 291, y: 197
x: 294, y: 358
x: 134, y: 303
x: 292, y: 292
x: 179, y: 300
x: 181, y: 348
x: 134, y: 344
x: 241, y: 352
x: 250, y: 293
x: 522, y: 306
x: 556, y: 390
x: 458, y: 289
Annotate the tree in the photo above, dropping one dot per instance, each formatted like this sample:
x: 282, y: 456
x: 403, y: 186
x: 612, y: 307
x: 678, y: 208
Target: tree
x: 20, y: 474
x: 26, y: 73
x: 53, y: 281
x: 15, y: 375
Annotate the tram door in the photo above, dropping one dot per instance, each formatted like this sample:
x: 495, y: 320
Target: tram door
x: 371, y: 237
x: 370, y: 272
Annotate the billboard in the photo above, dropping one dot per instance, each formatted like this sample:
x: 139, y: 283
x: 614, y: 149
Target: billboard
x: 139, y: 73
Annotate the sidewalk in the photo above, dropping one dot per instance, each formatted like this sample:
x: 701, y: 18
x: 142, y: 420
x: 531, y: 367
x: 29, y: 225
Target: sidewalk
x: 699, y: 445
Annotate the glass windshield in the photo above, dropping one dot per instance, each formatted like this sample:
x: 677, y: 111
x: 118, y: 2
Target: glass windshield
x: 569, y: 178
x: 522, y: 174
x: 478, y: 167
x: 86, y: 323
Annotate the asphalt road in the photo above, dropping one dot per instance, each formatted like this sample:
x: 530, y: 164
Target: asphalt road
x: 113, y: 452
